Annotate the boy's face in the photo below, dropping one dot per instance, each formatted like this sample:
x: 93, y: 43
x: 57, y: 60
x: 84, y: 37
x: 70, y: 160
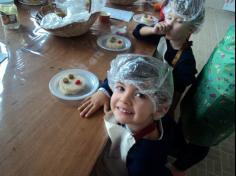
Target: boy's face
x: 179, y: 30
x: 131, y: 107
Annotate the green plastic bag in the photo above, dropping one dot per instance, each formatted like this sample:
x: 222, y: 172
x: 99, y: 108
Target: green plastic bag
x: 208, y: 109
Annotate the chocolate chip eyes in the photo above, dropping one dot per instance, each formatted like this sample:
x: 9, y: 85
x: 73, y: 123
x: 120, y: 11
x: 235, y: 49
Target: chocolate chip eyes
x: 66, y: 80
x: 113, y: 40
x: 71, y: 76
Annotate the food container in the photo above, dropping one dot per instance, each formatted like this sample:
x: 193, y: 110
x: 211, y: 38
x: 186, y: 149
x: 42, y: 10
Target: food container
x: 104, y: 17
x: 70, y: 30
x: 9, y: 14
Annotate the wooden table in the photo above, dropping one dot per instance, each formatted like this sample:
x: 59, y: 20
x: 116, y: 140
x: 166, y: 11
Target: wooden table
x: 41, y: 135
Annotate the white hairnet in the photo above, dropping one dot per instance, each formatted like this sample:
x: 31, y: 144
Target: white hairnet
x: 192, y: 11
x: 149, y: 75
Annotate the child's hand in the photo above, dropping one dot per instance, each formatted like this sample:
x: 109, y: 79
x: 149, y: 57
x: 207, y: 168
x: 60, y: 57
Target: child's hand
x: 93, y: 103
x: 161, y: 28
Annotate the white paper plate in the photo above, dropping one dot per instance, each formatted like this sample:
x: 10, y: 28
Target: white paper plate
x: 101, y: 41
x: 137, y: 18
x: 92, y: 84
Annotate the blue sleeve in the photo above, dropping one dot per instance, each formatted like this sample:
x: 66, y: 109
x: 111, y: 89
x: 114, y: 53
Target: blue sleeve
x: 142, y: 168
x: 149, y: 38
x: 106, y: 87
x: 184, y: 72
x: 146, y: 159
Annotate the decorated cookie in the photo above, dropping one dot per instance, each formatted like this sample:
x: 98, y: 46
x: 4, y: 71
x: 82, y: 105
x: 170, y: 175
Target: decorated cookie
x: 147, y: 19
x: 114, y: 43
x: 71, y: 84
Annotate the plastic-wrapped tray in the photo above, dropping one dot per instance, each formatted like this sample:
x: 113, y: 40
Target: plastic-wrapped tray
x: 70, y: 30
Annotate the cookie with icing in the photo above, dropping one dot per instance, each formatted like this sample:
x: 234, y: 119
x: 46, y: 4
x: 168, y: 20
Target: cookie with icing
x: 71, y: 84
x: 147, y: 19
x: 114, y: 43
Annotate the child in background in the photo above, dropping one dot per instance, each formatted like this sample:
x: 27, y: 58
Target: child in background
x: 142, y: 93
x: 182, y: 18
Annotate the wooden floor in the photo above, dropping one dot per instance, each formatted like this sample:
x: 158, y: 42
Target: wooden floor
x: 221, y: 159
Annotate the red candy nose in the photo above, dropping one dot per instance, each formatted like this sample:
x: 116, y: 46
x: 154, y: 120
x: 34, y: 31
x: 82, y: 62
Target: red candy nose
x: 78, y: 82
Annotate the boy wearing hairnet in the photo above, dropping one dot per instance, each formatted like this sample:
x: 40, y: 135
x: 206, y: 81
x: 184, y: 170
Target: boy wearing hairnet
x: 182, y: 18
x: 142, y: 93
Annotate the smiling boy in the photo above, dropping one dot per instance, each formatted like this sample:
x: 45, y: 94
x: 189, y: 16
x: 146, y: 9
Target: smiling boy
x: 142, y: 93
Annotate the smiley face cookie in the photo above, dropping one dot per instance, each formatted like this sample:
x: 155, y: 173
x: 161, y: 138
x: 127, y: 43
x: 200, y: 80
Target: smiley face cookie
x: 115, y: 43
x: 71, y: 84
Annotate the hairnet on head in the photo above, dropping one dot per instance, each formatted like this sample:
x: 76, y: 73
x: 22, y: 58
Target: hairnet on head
x: 149, y: 75
x: 192, y: 11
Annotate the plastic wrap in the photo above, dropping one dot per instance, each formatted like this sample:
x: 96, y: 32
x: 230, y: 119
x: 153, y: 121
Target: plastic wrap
x: 75, y: 11
x: 191, y: 11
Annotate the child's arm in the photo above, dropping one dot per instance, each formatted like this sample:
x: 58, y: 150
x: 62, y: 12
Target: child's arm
x: 147, y: 30
x: 146, y: 35
x: 96, y: 101
x: 92, y: 104
x: 151, y: 34
x: 159, y: 29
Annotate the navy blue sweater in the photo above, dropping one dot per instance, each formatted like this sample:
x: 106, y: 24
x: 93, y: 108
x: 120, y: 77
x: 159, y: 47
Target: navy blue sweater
x: 147, y: 157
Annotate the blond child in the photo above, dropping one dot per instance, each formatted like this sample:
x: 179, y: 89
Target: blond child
x: 182, y: 18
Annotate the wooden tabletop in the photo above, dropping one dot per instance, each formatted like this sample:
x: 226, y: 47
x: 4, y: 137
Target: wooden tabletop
x: 41, y: 135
